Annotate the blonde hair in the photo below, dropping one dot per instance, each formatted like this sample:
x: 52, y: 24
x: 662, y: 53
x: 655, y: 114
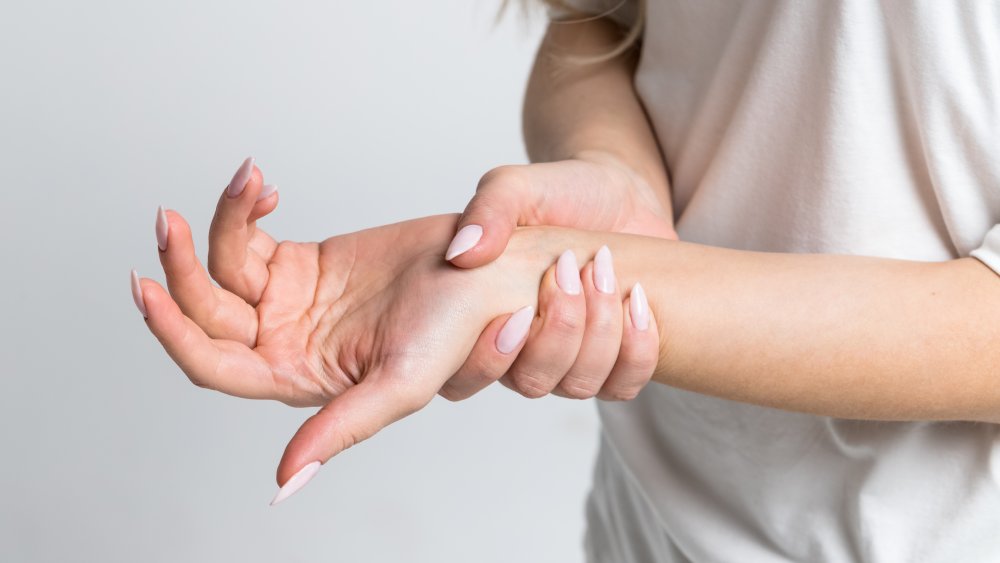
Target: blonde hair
x: 631, y: 37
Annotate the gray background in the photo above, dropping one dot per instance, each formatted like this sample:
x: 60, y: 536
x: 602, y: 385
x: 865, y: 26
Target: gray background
x: 363, y: 113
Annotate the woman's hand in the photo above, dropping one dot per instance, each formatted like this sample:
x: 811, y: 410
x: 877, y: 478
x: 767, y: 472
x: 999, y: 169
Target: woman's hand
x: 579, y: 347
x: 584, y: 343
x: 370, y: 324
x: 594, y: 192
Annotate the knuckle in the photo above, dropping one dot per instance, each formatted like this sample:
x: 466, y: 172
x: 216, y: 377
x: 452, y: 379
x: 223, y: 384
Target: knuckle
x: 637, y: 365
x: 450, y: 394
x: 604, y: 310
x: 603, y: 323
x: 638, y: 359
x: 625, y: 394
x: 412, y: 402
x: 621, y: 392
x: 531, y: 385
x: 208, y: 318
x: 215, y: 269
x: 581, y: 390
x: 531, y: 392
x: 506, y: 177
x: 483, y: 367
x: 200, y: 383
x: 629, y: 392
x: 406, y: 395
x: 350, y: 438
x: 563, y: 318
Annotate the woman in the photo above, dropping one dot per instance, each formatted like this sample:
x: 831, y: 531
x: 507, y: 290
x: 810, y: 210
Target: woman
x: 835, y: 181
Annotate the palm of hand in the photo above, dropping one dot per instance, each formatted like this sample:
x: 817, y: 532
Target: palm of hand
x: 378, y: 303
x: 369, y: 324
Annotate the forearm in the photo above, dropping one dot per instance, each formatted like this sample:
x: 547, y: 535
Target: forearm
x: 843, y: 336
x: 574, y: 110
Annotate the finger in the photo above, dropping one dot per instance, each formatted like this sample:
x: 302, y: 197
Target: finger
x: 555, y: 340
x: 640, y: 350
x: 219, y: 313
x: 492, y: 355
x: 222, y: 365
x: 603, y: 335
x: 502, y: 198
x: 260, y: 242
x: 238, y: 251
x: 354, y: 416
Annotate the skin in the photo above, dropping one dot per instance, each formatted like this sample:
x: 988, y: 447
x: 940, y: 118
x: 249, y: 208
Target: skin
x: 580, y: 346
x: 833, y: 335
x: 369, y: 325
x: 842, y: 336
x: 374, y: 334
x: 596, y: 166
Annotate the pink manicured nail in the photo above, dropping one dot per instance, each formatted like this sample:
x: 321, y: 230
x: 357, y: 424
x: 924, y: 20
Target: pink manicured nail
x: 240, y: 179
x: 161, y: 228
x: 266, y: 191
x: 466, y: 238
x: 515, y: 329
x: 299, y: 480
x: 568, y: 273
x: 604, y: 272
x: 638, y: 307
x: 140, y: 303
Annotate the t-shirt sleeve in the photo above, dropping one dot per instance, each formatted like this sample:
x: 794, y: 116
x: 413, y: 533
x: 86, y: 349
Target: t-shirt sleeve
x: 989, y: 252
x: 624, y: 12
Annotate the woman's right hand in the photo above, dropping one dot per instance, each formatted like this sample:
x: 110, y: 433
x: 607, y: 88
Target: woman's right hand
x: 584, y: 342
x: 593, y: 192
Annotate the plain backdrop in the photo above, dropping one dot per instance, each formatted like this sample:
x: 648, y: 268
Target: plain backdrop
x: 363, y: 113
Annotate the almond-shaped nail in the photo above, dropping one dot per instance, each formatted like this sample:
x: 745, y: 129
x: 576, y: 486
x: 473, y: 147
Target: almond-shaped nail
x: 515, y: 329
x: 568, y: 273
x: 161, y: 228
x: 638, y: 307
x: 240, y: 179
x: 266, y: 191
x: 296, y: 482
x: 140, y: 303
x: 604, y: 272
x: 465, y: 239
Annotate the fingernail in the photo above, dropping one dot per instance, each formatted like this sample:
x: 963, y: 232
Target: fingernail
x: 515, y: 329
x: 266, y: 191
x: 638, y: 307
x: 568, y: 273
x: 137, y: 294
x: 240, y: 179
x: 466, y: 238
x: 161, y: 228
x: 299, y: 480
x: 604, y: 272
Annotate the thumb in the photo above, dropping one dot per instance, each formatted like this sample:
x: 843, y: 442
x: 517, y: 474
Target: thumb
x: 503, y: 198
x: 352, y: 417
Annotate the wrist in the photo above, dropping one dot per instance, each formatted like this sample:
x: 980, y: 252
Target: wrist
x: 532, y: 250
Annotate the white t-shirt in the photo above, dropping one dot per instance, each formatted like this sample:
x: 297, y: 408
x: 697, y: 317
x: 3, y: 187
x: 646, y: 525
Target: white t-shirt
x: 839, y: 126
